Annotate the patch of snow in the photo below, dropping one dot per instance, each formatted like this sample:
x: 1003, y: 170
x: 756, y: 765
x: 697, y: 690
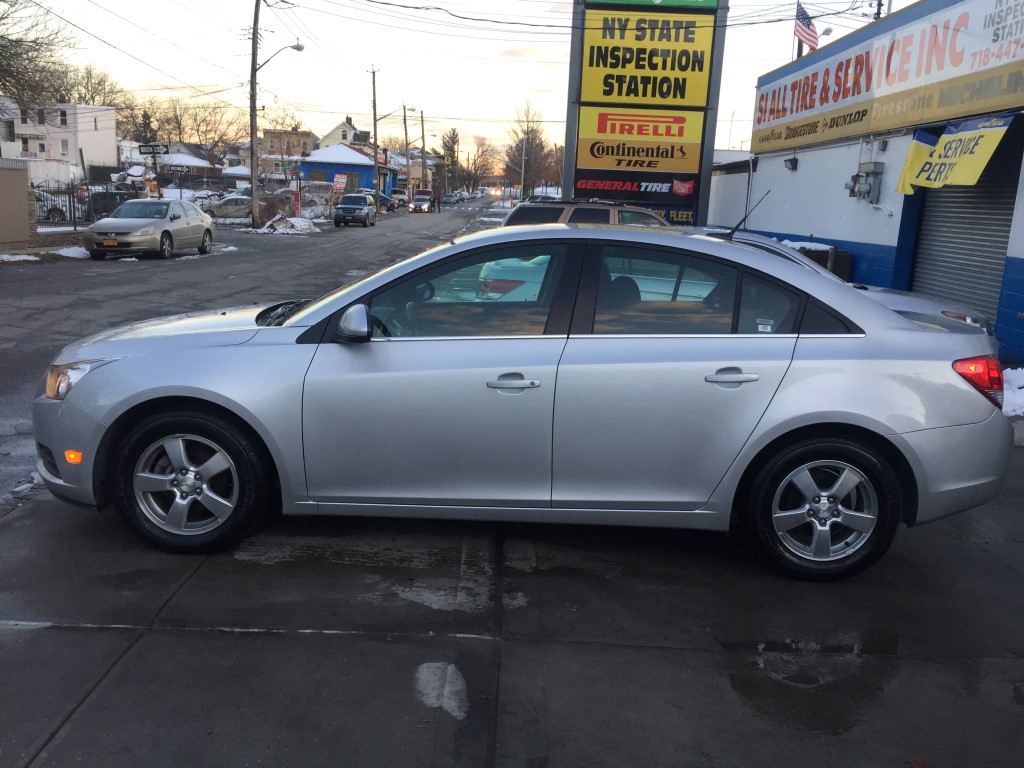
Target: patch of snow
x: 225, y: 248
x: 442, y: 686
x: 17, y: 257
x: 73, y: 252
x: 193, y: 256
x: 807, y: 246
x: 1013, y: 391
x: 498, y: 219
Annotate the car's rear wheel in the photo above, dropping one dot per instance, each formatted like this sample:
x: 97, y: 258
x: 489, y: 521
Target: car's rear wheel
x: 824, y: 508
x: 206, y: 246
x: 190, y: 482
x: 56, y: 214
x: 166, y: 246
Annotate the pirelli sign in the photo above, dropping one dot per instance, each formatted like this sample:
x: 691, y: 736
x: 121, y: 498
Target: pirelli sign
x: 646, y: 76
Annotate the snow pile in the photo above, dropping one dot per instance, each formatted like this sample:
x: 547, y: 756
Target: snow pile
x: 279, y: 225
x: 807, y: 246
x: 73, y: 252
x: 17, y: 257
x: 1013, y: 391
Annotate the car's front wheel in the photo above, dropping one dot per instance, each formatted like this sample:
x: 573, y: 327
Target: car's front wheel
x: 97, y: 255
x: 166, y: 246
x: 366, y: 220
x: 190, y: 482
x: 825, y: 508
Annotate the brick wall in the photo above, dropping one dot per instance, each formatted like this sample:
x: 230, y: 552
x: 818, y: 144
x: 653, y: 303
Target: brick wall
x: 41, y: 241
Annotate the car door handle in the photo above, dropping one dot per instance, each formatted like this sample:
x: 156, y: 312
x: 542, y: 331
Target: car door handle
x: 731, y: 378
x: 513, y: 384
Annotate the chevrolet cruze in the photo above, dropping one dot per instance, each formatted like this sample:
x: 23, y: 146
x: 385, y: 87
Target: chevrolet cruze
x: 652, y: 378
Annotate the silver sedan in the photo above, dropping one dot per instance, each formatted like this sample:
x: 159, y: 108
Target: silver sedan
x: 150, y: 226
x: 773, y: 400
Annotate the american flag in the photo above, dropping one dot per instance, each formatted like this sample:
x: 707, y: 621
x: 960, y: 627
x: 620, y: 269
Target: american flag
x: 804, y: 28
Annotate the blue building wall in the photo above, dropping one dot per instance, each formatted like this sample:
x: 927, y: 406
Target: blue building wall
x: 363, y: 173
x: 1010, y: 320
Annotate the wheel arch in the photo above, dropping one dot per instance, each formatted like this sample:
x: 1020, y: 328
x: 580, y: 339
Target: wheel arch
x: 901, y: 467
x: 120, y: 427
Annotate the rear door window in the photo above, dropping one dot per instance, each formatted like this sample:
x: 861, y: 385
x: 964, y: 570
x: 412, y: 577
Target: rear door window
x: 591, y: 216
x: 534, y: 214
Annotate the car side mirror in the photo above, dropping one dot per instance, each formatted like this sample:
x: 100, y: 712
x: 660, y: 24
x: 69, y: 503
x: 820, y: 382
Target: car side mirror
x: 175, y: 217
x: 354, y: 326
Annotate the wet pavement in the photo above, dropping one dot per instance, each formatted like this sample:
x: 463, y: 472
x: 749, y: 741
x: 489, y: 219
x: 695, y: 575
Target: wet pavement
x: 364, y: 642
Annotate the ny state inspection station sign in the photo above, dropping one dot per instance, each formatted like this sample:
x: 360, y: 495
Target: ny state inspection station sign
x: 646, y: 77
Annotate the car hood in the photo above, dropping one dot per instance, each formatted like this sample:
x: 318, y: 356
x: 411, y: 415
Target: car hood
x: 223, y: 327
x: 128, y: 224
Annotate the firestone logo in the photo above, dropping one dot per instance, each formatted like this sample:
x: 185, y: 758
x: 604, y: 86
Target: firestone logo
x: 640, y: 125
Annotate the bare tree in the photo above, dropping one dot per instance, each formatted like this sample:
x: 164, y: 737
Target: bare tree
x: 86, y: 85
x: 481, y: 161
x: 217, y: 127
x: 135, y: 118
x: 31, y: 45
x: 172, y: 118
x: 393, y: 144
x: 527, y: 155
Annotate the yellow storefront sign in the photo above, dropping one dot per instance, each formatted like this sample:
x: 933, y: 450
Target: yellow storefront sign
x: 641, y: 139
x: 645, y: 58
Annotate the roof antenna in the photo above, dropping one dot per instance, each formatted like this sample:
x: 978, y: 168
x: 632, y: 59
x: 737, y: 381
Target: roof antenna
x: 745, y: 216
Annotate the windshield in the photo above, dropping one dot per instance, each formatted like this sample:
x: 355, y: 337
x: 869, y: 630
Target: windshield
x: 353, y: 200
x: 140, y: 209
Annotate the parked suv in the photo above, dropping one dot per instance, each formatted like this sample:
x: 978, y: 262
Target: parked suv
x: 357, y: 208
x: 572, y: 212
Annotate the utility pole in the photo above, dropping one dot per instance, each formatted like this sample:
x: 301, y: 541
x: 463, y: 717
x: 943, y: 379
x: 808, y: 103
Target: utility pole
x: 878, y: 10
x: 423, y: 154
x: 408, y: 176
x: 373, y: 185
x: 254, y: 170
x: 522, y: 171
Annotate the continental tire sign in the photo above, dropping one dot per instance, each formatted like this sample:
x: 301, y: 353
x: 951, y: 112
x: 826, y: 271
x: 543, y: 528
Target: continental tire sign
x: 645, y: 79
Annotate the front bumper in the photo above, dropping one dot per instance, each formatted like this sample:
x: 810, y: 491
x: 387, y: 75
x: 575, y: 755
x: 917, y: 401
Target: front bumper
x: 58, y: 427
x: 121, y: 243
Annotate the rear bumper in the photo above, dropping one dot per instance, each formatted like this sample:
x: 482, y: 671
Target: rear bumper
x: 958, y: 468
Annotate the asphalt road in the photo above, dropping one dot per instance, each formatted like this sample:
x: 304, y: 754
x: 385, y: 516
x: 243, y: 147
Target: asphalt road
x: 362, y: 642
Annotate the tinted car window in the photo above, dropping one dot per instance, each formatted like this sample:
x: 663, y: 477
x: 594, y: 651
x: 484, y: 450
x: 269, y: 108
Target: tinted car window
x: 461, y: 298
x: 646, y: 291
x: 590, y: 216
x: 534, y: 214
x: 141, y: 209
x: 639, y: 219
x: 766, y: 307
x: 354, y: 200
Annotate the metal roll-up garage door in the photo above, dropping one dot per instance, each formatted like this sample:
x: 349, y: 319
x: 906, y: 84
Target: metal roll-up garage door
x: 965, y: 232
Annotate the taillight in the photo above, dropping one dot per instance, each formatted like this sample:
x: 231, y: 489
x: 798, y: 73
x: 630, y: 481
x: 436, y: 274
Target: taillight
x: 501, y: 287
x: 985, y: 375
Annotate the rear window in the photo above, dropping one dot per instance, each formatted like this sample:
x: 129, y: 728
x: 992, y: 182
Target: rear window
x: 534, y: 214
x: 590, y: 216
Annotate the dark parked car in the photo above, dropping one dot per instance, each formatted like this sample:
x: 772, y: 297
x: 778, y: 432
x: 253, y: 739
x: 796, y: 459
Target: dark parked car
x: 104, y: 203
x: 356, y: 208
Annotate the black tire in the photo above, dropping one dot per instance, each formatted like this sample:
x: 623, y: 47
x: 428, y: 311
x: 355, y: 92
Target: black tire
x: 366, y: 220
x: 97, y: 255
x: 56, y: 214
x: 206, y: 246
x: 218, y: 509
x: 374, y: 222
x: 166, y: 246
x: 337, y: 224
x: 799, y: 528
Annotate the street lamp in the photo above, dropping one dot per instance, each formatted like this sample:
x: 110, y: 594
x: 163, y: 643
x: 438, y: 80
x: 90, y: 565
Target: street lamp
x: 254, y: 170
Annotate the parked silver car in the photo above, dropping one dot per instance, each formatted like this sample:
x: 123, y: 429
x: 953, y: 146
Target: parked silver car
x: 150, y: 226
x: 773, y: 399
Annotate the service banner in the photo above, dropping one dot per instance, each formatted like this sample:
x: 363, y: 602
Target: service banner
x: 646, y: 58
x: 946, y: 60
x: 957, y: 157
x: 642, y: 139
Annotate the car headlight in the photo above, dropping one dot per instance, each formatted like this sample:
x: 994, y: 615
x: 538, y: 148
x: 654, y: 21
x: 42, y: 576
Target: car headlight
x: 61, y: 378
x: 144, y: 232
